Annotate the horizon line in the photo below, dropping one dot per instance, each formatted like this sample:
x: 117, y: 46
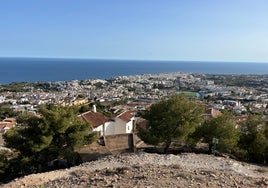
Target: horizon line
x: 126, y: 59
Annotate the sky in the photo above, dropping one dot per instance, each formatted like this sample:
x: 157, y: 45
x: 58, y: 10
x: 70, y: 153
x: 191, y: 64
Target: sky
x: 194, y: 30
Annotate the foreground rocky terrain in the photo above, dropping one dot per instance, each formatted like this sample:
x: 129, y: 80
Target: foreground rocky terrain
x: 152, y: 170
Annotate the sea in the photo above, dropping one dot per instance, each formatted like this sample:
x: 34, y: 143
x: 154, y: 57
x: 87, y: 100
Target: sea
x: 57, y: 69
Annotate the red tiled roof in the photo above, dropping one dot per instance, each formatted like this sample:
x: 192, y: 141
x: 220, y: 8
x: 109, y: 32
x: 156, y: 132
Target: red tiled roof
x: 2, y: 125
x: 9, y: 120
x: 94, y: 118
x: 211, y: 112
x: 8, y: 123
x: 126, y: 116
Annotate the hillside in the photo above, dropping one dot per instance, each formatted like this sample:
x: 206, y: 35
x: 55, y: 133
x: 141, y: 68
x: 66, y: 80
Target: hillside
x: 152, y: 170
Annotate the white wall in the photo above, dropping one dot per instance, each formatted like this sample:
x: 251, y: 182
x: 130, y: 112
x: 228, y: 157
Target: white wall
x: 120, y: 126
x: 109, y: 128
x: 129, y: 126
x: 99, y: 129
x: 115, y: 127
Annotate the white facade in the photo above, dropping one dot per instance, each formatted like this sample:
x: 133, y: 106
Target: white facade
x: 122, y: 127
x: 106, y: 129
x: 99, y: 129
x: 115, y: 127
x: 109, y: 128
x: 2, y: 99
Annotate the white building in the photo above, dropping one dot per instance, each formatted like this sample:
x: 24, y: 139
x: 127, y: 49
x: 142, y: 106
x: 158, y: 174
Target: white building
x: 2, y: 99
x: 121, y: 124
x: 124, y: 123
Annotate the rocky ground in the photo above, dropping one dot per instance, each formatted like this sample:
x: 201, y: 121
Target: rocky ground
x: 152, y: 170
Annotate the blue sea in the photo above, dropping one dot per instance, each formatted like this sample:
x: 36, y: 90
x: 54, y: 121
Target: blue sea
x: 48, y: 69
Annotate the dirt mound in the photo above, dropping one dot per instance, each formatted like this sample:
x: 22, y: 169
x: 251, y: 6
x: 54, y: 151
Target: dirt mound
x: 153, y: 170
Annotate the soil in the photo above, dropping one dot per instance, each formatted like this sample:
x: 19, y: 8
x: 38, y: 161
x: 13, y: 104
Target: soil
x: 152, y: 170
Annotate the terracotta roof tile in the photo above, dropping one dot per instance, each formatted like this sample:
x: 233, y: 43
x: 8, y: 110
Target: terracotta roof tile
x: 94, y: 118
x: 126, y: 116
x: 211, y: 112
x: 8, y: 123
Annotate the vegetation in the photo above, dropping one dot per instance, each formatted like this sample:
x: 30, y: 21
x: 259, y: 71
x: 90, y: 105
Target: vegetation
x: 6, y: 111
x: 98, y: 84
x: 254, y: 139
x: 222, y: 128
x: 46, y: 142
x: 178, y: 120
x: 26, y: 87
x: 84, y: 108
x: 247, y: 141
x: 170, y: 120
x: 3, y: 165
x: 239, y: 80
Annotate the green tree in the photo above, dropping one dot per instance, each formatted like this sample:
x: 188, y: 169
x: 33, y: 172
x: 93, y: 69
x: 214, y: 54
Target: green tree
x: 171, y: 120
x: 52, y: 136
x: 254, y: 138
x: 6, y: 111
x: 222, y: 128
x: 84, y: 108
x: 3, y: 166
x: 98, y: 84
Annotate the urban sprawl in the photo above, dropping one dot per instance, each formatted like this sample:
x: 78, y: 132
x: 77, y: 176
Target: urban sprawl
x: 238, y: 94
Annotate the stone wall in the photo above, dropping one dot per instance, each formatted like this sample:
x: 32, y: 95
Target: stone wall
x: 119, y: 142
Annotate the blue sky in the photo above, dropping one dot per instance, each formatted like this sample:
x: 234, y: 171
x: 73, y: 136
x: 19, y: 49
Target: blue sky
x: 198, y: 30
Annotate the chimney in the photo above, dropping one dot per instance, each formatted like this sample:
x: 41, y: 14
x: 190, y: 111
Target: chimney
x: 94, y: 108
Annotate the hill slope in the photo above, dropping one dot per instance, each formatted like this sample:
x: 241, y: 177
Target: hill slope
x: 152, y: 170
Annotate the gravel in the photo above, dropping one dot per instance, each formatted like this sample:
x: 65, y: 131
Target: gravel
x: 152, y: 170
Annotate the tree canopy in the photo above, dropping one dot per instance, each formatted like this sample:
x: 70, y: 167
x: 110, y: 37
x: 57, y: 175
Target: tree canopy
x: 222, y: 128
x: 254, y: 139
x: 171, y: 119
x: 6, y: 111
x: 51, y: 136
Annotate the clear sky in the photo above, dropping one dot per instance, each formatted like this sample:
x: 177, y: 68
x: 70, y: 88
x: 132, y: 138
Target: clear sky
x: 205, y: 30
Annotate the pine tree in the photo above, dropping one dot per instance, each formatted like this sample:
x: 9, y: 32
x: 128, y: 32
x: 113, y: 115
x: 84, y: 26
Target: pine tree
x: 171, y: 120
x: 51, y: 136
x: 223, y: 128
x: 254, y: 139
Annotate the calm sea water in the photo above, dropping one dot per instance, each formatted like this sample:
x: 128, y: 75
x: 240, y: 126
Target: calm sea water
x: 41, y: 69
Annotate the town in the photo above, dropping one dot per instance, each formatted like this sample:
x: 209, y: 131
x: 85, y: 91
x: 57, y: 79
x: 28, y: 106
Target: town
x: 238, y: 94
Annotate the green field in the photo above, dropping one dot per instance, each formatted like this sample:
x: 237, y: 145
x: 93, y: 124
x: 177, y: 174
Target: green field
x: 189, y: 93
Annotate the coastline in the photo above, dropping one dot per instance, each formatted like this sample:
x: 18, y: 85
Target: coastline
x: 43, y: 69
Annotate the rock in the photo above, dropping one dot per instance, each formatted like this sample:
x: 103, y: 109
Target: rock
x: 151, y: 170
x: 213, y: 175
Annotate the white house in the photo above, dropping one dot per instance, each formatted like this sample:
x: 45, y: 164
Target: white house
x: 121, y: 124
x: 99, y: 122
x: 124, y: 122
